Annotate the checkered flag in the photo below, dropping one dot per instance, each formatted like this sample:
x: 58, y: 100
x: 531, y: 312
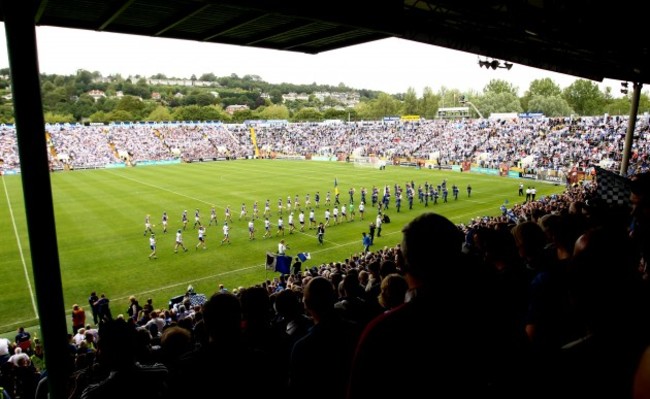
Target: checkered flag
x: 197, y: 299
x: 612, y: 189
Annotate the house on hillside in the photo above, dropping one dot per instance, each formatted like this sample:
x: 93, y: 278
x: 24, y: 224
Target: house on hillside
x: 97, y: 94
x: 231, y: 109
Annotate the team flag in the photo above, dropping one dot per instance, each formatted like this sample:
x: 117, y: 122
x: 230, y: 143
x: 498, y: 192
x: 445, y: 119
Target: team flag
x: 336, y: 187
x: 278, y: 263
x: 283, y: 264
x: 612, y: 188
x: 270, y: 261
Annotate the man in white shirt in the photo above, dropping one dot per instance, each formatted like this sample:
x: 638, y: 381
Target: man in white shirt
x: 282, y: 248
x: 152, y: 245
x: 280, y: 226
x: 226, y: 234
x: 4, y: 349
x: 301, y: 220
x: 179, y: 242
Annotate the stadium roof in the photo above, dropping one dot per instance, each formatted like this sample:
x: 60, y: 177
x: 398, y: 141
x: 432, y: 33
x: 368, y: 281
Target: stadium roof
x: 578, y: 38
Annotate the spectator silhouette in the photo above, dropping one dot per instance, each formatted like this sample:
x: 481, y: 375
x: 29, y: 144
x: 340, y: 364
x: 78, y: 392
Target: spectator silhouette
x: 224, y: 362
x: 127, y: 378
x: 326, y: 351
x: 443, y: 290
x: 606, y: 290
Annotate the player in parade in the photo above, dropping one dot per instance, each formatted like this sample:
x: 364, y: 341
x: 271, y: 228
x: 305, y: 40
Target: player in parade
x: 179, y: 241
x: 184, y: 219
x: 228, y: 216
x: 251, y: 229
x: 226, y: 233
x: 152, y: 245
x: 301, y: 220
x: 213, y: 216
x: 267, y: 228
x: 201, y: 235
x: 147, y: 225
x: 242, y: 211
x: 197, y: 219
x: 164, y: 221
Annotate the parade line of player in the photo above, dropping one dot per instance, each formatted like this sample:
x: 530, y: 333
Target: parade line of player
x: 347, y: 212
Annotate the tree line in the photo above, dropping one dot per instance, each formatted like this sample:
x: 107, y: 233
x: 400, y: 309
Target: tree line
x: 67, y: 99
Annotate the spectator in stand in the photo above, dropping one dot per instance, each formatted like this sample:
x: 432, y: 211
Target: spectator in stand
x: 5, y: 345
x: 92, y: 301
x: 393, y: 291
x: 24, y: 340
x: 78, y: 318
x: 103, y: 309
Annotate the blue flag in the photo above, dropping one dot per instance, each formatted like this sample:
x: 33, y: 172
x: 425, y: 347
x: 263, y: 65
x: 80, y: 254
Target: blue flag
x: 283, y: 264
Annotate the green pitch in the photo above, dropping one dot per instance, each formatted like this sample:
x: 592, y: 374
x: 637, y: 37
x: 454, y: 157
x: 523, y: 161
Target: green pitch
x: 100, y: 225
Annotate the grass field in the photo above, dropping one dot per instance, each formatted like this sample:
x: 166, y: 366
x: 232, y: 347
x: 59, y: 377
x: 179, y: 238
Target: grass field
x: 100, y: 223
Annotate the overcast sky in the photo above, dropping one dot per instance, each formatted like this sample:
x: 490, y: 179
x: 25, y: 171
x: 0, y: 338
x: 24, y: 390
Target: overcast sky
x: 390, y: 65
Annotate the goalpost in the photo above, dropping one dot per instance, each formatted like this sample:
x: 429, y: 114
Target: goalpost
x: 372, y: 162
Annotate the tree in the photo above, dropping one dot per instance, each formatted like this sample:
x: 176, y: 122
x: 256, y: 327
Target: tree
x: 410, y: 106
x: 551, y: 106
x: 276, y: 96
x: 274, y: 112
x: 494, y: 102
x: 120, y: 116
x: 58, y: 118
x: 53, y: 97
x: 449, y: 97
x: 240, y: 116
x: 498, y: 86
x: 333, y: 113
x: 7, y: 113
x: 208, y: 77
x: 585, y: 97
x: 196, y: 113
x: 428, y: 104
x: 132, y: 105
x: 98, y: 117
x: 307, y: 115
x: 84, y: 107
x: 160, y: 114
x: 386, y: 105
x: 619, y: 106
x: 545, y: 87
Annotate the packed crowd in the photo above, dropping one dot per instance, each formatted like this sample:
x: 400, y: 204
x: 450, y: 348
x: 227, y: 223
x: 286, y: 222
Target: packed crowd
x: 552, y: 303
x: 556, y: 144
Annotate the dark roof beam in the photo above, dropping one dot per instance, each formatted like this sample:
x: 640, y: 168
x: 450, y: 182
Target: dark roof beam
x: 316, y: 37
x: 40, y: 9
x: 366, y: 14
x: 277, y: 32
x: 187, y: 14
x: 232, y: 25
x: 114, y: 13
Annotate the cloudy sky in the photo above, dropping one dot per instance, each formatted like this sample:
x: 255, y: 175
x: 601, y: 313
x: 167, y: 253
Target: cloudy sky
x: 390, y: 65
